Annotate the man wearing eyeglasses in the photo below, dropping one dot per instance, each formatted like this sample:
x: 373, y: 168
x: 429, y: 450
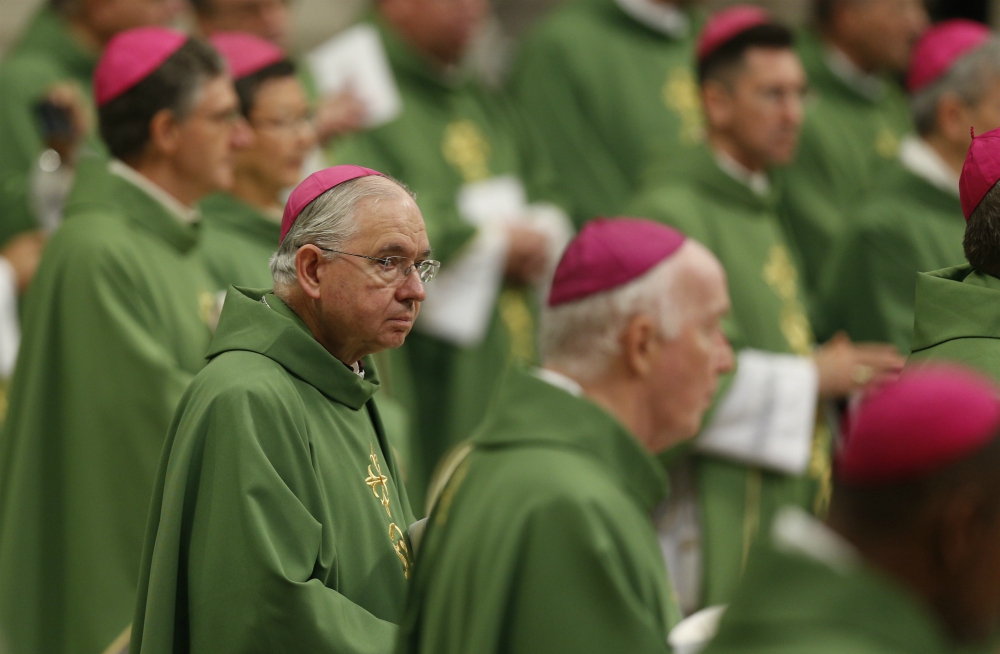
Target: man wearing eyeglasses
x: 279, y: 521
x: 762, y: 447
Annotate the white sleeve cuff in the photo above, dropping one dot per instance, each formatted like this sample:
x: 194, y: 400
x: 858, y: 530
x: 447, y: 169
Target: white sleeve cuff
x: 10, y: 326
x: 460, y: 301
x: 767, y: 417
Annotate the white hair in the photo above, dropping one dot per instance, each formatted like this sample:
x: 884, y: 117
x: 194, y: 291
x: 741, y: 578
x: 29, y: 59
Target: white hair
x: 582, y: 338
x: 968, y: 78
x: 329, y: 221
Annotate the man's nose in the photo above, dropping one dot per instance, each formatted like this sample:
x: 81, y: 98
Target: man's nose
x: 412, y: 288
x: 726, y: 359
x: 242, y: 135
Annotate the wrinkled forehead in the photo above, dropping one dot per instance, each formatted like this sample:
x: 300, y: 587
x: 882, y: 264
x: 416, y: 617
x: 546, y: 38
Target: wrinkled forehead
x: 389, y: 221
x: 701, y: 282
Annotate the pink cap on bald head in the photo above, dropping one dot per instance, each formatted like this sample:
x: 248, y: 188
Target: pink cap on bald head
x: 926, y: 420
x: 245, y: 54
x: 131, y: 57
x: 727, y: 24
x: 980, y: 171
x: 316, y: 185
x: 940, y: 47
x: 610, y: 252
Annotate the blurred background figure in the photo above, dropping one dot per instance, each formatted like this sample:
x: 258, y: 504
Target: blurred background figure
x: 609, y: 85
x: 117, y: 323
x: 765, y: 445
x: 957, y: 309
x: 909, y: 558
x: 911, y: 221
x: 856, y: 119
x: 481, y: 181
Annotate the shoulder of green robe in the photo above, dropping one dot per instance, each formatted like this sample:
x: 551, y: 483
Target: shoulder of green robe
x: 955, y: 303
x: 676, y: 204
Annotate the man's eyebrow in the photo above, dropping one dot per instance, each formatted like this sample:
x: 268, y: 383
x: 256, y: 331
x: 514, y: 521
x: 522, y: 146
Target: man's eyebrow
x: 397, y: 248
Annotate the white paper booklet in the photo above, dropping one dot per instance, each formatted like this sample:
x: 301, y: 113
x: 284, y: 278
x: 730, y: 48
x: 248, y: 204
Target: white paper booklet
x: 356, y: 59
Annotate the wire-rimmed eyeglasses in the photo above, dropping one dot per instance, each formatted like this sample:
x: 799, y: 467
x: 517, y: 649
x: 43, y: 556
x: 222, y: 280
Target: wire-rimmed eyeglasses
x: 396, y: 268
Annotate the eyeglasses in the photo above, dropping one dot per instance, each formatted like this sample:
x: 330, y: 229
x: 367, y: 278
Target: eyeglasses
x: 287, y: 124
x: 395, y: 268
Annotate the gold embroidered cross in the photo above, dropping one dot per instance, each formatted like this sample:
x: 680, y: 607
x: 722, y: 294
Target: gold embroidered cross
x: 376, y: 479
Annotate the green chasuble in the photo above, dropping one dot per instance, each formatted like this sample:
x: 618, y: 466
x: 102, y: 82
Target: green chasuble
x: 451, y: 133
x: 46, y: 53
x: 957, y: 317
x: 237, y: 241
x: 117, y: 323
x: 742, y: 229
x: 907, y: 225
x: 847, y: 137
x: 608, y: 95
x: 542, y: 540
x: 277, y: 523
x: 791, y: 601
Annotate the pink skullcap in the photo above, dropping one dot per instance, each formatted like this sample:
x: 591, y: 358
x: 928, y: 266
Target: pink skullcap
x: 925, y: 420
x: 245, y: 54
x: 727, y: 24
x: 940, y: 47
x: 980, y: 171
x: 131, y: 57
x: 316, y: 185
x: 609, y: 252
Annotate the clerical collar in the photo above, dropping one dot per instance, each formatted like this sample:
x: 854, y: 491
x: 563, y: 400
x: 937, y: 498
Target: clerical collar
x: 793, y: 530
x: 757, y: 181
x: 922, y: 160
x: 559, y: 380
x: 868, y: 85
x: 174, y: 207
x: 658, y: 16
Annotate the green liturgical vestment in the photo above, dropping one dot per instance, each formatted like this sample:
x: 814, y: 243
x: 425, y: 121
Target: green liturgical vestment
x: 792, y: 601
x: 117, y: 323
x: 46, y: 53
x: 847, y: 137
x: 451, y: 134
x: 608, y: 95
x: 906, y: 226
x: 742, y: 229
x: 957, y: 317
x: 277, y: 524
x: 542, y: 539
x: 237, y: 241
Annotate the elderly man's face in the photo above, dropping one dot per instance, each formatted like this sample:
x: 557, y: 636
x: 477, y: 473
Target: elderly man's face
x: 360, y: 309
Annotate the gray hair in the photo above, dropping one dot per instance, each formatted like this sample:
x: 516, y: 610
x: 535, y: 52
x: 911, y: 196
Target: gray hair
x: 582, y: 338
x: 329, y: 221
x: 968, y: 79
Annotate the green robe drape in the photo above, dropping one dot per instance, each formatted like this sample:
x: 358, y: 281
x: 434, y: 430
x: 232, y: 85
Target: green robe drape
x: 46, y: 53
x: 277, y: 523
x: 846, y: 139
x: 906, y: 226
x: 609, y: 96
x: 957, y: 317
x: 237, y: 242
x: 542, y: 540
x: 117, y: 322
x: 743, y: 230
x: 450, y: 133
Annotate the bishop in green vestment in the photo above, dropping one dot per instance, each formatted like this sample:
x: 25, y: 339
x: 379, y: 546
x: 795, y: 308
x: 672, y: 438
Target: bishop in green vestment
x: 117, y: 323
x: 479, y: 180
x: 872, y: 578
x: 609, y: 86
x: 539, y: 538
x: 855, y: 119
x: 278, y: 519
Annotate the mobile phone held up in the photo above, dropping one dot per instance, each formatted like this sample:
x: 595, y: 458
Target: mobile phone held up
x: 55, y: 124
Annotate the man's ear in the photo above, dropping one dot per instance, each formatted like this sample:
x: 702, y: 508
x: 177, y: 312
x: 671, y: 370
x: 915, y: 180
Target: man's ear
x: 957, y: 526
x: 716, y: 102
x: 164, y: 133
x: 308, y: 261
x: 639, y: 344
x: 952, y: 118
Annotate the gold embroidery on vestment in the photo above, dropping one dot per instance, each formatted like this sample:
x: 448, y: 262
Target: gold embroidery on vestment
x: 780, y: 275
x: 819, y: 467
x: 377, y: 479
x: 680, y: 93
x: 467, y: 150
x: 887, y: 143
x: 398, y: 539
x: 520, y: 324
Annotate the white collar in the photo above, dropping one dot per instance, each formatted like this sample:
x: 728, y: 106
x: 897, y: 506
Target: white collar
x: 922, y: 160
x: 868, y: 85
x: 662, y: 17
x: 357, y: 369
x: 793, y: 530
x: 559, y: 380
x: 757, y: 181
x: 174, y: 207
